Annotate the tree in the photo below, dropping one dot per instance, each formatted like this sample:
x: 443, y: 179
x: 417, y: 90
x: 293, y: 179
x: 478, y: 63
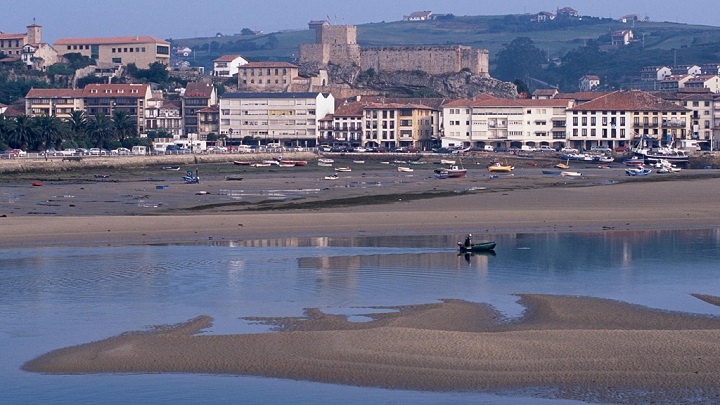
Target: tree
x: 6, y: 130
x: 247, y: 31
x: 24, y: 133
x: 78, y: 124
x: 522, y: 87
x: 49, y: 130
x: 518, y: 60
x: 100, y: 129
x: 123, y: 125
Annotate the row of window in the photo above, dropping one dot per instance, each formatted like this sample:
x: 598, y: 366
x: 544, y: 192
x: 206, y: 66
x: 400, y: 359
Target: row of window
x: 252, y: 81
x: 268, y: 72
x: 128, y: 50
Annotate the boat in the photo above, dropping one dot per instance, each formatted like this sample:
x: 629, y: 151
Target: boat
x: 343, y: 169
x: 565, y: 165
x: 551, y: 172
x: 404, y: 169
x: 450, y: 172
x: 399, y: 162
x: 500, y: 168
x: 477, y: 247
x: 603, y: 159
x: 567, y: 173
x: 665, y: 166
x: 241, y: 163
x: 260, y: 164
x: 271, y: 162
x: 637, y: 171
x: 333, y: 176
x: 171, y: 167
x: 102, y: 176
x: 359, y: 161
x: 37, y: 183
x: 634, y: 161
x: 672, y: 155
x: 447, y: 162
x: 325, y: 162
x: 191, y: 177
x: 416, y: 162
x: 286, y: 164
x: 290, y: 163
x: 441, y: 175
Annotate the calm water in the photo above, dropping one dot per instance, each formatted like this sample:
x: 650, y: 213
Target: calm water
x: 61, y: 296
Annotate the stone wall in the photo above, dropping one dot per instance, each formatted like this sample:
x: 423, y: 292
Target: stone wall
x: 429, y: 59
x: 336, y: 35
x: 346, y: 55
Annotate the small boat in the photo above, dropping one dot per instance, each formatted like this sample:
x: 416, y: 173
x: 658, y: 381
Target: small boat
x: 286, y: 164
x: 171, y: 167
x: 416, y: 162
x: 500, y: 168
x: 551, y: 172
x: 291, y: 163
x: 450, y: 172
x: 399, y: 162
x: 37, y: 183
x: 241, y: 163
x: 567, y: 173
x: 332, y: 177
x: 603, y: 159
x: 404, y: 169
x: 441, y: 175
x: 637, y: 171
x: 343, y: 169
x: 636, y: 161
x: 563, y: 166
x: 190, y: 178
x: 271, y: 162
x: 447, y: 162
x: 325, y: 162
x: 477, y: 247
x: 260, y: 164
x: 102, y: 176
x: 359, y: 161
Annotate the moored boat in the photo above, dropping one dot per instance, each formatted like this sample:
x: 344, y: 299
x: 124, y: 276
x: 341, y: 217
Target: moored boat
x: 500, y: 168
x: 343, y: 169
x: 404, y: 169
x: 567, y: 173
x: 672, y: 155
x: 637, y: 171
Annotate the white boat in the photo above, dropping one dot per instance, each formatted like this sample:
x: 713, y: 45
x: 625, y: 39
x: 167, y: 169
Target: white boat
x: 567, y: 173
x: 664, y: 166
x: 343, y: 169
x: 672, y: 155
x: 332, y: 177
x: 404, y: 169
x: 359, y: 161
x: 638, y: 171
x: 447, y: 162
x: 325, y: 162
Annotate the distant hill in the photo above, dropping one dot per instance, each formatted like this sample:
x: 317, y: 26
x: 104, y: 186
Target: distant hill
x: 657, y: 42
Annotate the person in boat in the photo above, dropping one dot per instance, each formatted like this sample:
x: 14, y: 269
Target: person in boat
x: 468, y: 240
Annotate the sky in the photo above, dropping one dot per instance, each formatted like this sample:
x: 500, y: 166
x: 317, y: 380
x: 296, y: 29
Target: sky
x: 201, y: 18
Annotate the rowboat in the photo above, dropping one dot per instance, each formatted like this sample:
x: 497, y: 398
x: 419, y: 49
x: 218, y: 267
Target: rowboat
x: 331, y: 177
x: 447, y: 162
x: 343, y: 169
x: 499, y: 167
x: 404, y: 169
x: 637, y: 171
x: 477, y: 247
x: 567, y: 173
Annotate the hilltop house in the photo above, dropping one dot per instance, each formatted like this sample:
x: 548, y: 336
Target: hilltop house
x: 567, y: 12
x: 12, y: 44
x: 589, y: 83
x: 143, y: 51
x: 543, y: 16
x: 227, y: 65
x: 418, y: 16
x: 621, y: 37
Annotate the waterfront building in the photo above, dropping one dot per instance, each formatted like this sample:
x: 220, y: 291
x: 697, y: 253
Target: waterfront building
x: 288, y: 119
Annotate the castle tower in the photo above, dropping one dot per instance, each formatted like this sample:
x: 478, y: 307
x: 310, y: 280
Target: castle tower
x: 34, y: 33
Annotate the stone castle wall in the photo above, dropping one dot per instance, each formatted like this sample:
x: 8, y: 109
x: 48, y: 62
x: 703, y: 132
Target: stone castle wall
x: 337, y: 44
x: 429, y: 59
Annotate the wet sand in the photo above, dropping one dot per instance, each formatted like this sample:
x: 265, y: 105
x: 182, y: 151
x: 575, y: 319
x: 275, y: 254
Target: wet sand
x: 569, y: 347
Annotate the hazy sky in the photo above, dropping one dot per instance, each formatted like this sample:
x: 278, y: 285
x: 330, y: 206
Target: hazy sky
x: 192, y: 18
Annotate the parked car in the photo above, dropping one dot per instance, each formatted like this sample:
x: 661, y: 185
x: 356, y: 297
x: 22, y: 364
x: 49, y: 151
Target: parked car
x: 569, y: 150
x: 120, y: 151
x: 94, y: 151
x: 545, y: 148
x: 68, y: 152
x: 600, y: 149
x: 17, y: 153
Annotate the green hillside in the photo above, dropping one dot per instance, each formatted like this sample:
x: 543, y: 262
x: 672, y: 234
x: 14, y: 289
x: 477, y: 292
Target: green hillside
x: 656, y: 42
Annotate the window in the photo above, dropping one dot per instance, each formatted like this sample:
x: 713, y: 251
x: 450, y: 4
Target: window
x: 163, y: 50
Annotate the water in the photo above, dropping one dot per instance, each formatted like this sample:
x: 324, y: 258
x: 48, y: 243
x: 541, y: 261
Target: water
x: 61, y: 296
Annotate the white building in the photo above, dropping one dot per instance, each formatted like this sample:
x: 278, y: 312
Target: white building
x: 589, y: 83
x: 291, y: 119
x: 505, y: 122
x: 227, y: 65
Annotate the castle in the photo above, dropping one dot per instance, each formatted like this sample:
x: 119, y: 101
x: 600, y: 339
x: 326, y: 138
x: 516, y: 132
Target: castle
x: 337, y: 44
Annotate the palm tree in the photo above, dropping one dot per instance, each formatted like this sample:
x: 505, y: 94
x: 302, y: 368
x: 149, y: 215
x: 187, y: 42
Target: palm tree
x: 78, y: 124
x: 50, y: 130
x: 124, y: 125
x: 24, y: 132
x: 6, y: 129
x: 101, y: 129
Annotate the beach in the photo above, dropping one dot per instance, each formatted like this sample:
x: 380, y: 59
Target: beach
x: 564, y: 347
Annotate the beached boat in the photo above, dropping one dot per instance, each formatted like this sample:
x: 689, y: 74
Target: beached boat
x: 672, y: 155
x: 563, y: 165
x: 191, y: 177
x: 603, y: 159
x: 241, y: 163
x: 359, y: 161
x: 664, y: 166
x: 171, y: 167
x: 404, y: 169
x: 567, y: 173
x: 551, y: 172
x: 441, y: 175
x: 260, y: 164
x: 343, y: 169
x: 634, y: 161
x: 500, y: 168
x: 637, y: 171
x: 447, y: 162
x: 450, y: 172
x: 332, y: 177
x: 325, y: 162
x: 477, y: 247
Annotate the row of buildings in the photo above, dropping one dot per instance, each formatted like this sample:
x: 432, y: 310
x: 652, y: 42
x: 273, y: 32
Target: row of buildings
x: 687, y: 119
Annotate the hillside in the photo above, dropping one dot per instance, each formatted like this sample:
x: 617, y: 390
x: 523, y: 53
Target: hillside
x: 555, y: 38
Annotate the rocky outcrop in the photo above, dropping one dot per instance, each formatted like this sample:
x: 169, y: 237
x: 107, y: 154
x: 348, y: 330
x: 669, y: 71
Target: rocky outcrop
x: 414, y: 83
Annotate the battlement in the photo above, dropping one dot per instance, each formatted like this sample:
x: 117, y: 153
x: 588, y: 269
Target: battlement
x: 336, y: 35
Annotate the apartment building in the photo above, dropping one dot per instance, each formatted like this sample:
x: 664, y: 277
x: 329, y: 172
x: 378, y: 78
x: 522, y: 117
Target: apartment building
x: 227, y: 65
x: 208, y: 121
x: 143, y: 51
x: 290, y: 119
x: 197, y: 96
x: 505, y: 122
x: 58, y: 103
x: 107, y: 98
x: 394, y: 124
x: 12, y: 44
x: 345, y: 127
x: 165, y: 116
x: 701, y: 103
x: 266, y: 76
x: 624, y: 118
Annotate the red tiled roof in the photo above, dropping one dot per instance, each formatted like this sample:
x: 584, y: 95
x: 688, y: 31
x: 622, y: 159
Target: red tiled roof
x: 628, y: 100
x: 124, y: 90
x: 138, y: 39
x: 12, y: 36
x: 352, y: 109
x: 396, y: 106
x: 212, y: 109
x: 507, y: 102
x: 269, y: 65
x: 198, y: 89
x: 227, y: 58
x: 545, y: 92
x: 54, y: 93
x: 434, y: 103
x: 581, y: 96
x: 170, y: 104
